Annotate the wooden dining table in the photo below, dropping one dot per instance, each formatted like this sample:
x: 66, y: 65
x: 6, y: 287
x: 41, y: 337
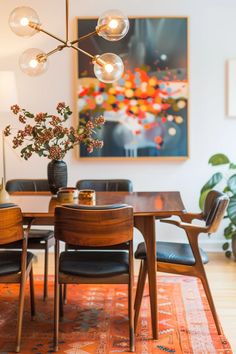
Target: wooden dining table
x: 38, y: 208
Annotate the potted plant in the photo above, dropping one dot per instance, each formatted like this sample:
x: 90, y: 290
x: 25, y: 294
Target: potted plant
x: 48, y: 135
x: 224, y: 180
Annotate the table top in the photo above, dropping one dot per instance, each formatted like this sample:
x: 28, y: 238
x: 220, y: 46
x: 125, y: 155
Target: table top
x: 40, y: 204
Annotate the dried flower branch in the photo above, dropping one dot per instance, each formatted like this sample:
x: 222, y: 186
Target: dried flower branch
x: 46, y: 135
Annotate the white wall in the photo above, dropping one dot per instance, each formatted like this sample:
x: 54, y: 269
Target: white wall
x: 212, y: 29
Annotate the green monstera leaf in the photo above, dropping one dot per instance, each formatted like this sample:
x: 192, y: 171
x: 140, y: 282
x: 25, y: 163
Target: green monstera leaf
x: 218, y: 159
x: 202, y: 198
x: 231, y: 210
x: 228, y: 186
x: 225, y: 246
x: 208, y: 186
x: 232, y: 166
x: 229, y: 231
x: 226, y: 189
x: 212, y: 182
x: 232, y: 184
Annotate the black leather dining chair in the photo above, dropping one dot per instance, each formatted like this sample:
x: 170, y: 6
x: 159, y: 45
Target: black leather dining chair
x: 185, y: 258
x: 15, y: 266
x: 102, y: 185
x: 106, y: 185
x: 94, y: 227
x: 39, y: 239
x: 27, y: 185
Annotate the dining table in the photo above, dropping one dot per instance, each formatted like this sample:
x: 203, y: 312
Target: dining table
x: 38, y: 209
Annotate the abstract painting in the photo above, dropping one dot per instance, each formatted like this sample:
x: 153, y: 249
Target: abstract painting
x: 146, y: 111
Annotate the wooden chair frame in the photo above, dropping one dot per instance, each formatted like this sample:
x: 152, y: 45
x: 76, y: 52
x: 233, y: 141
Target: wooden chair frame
x: 94, y: 238
x: 121, y: 185
x: 212, y: 216
x: 14, y: 232
x: 34, y: 185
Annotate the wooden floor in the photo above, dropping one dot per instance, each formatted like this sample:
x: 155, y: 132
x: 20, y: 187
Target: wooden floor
x: 221, y: 274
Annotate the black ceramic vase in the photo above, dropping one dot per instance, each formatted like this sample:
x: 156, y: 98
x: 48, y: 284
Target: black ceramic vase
x: 57, y: 175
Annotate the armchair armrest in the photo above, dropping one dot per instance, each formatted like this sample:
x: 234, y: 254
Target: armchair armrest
x: 189, y: 217
x: 185, y: 226
x: 173, y: 222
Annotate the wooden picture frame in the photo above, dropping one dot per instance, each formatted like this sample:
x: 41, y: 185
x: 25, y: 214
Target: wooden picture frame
x: 146, y: 111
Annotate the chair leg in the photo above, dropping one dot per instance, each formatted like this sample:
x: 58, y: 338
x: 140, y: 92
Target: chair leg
x: 65, y: 285
x: 20, y: 313
x: 210, y: 300
x: 56, y: 316
x: 61, y: 302
x: 32, y: 297
x: 131, y: 314
x: 138, y: 282
x: 65, y: 294
x: 139, y: 291
x: 45, y: 287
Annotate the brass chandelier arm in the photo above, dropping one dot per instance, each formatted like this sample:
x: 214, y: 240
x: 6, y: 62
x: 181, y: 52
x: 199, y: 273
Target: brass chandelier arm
x: 65, y: 43
x: 96, y: 32
x: 83, y: 51
x: 108, y: 67
x: 40, y: 29
x: 57, y: 49
x: 84, y: 37
x: 52, y: 35
x: 61, y: 47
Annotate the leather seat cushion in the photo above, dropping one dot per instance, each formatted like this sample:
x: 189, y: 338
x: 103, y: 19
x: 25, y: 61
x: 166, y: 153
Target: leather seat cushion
x: 10, y: 261
x: 171, y: 252
x: 94, y: 264
x: 42, y: 234
x: 37, y: 236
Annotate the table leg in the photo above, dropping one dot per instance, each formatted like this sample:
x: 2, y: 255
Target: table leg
x: 146, y: 225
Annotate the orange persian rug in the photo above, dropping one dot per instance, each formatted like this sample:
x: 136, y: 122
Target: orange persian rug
x: 95, y: 320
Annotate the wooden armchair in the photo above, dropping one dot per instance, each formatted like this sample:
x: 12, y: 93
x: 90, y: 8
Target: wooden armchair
x: 182, y: 258
x: 39, y: 239
x: 96, y: 227
x: 15, y: 266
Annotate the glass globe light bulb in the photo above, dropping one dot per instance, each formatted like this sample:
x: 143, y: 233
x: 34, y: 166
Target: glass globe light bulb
x: 33, y: 62
x: 112, y: 25
x: 23, y: 21
x: 108, y: 67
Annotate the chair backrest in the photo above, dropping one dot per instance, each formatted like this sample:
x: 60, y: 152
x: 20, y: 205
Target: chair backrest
x: 11, y: 227
x: 214, y: 209
x: 27, y: 185
x: 94, y: 226
x: 105, y: 185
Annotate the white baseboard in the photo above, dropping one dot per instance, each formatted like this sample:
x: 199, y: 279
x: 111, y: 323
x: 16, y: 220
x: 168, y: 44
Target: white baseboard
x: 211, y: 246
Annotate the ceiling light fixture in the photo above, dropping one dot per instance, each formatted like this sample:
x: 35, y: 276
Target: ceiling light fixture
x: 112, y: 25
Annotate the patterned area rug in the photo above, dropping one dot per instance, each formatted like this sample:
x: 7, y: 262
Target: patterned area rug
x: 95, y: 320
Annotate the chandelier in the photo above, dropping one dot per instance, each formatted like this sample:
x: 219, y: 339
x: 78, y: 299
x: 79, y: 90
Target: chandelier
x: 112, y: 25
